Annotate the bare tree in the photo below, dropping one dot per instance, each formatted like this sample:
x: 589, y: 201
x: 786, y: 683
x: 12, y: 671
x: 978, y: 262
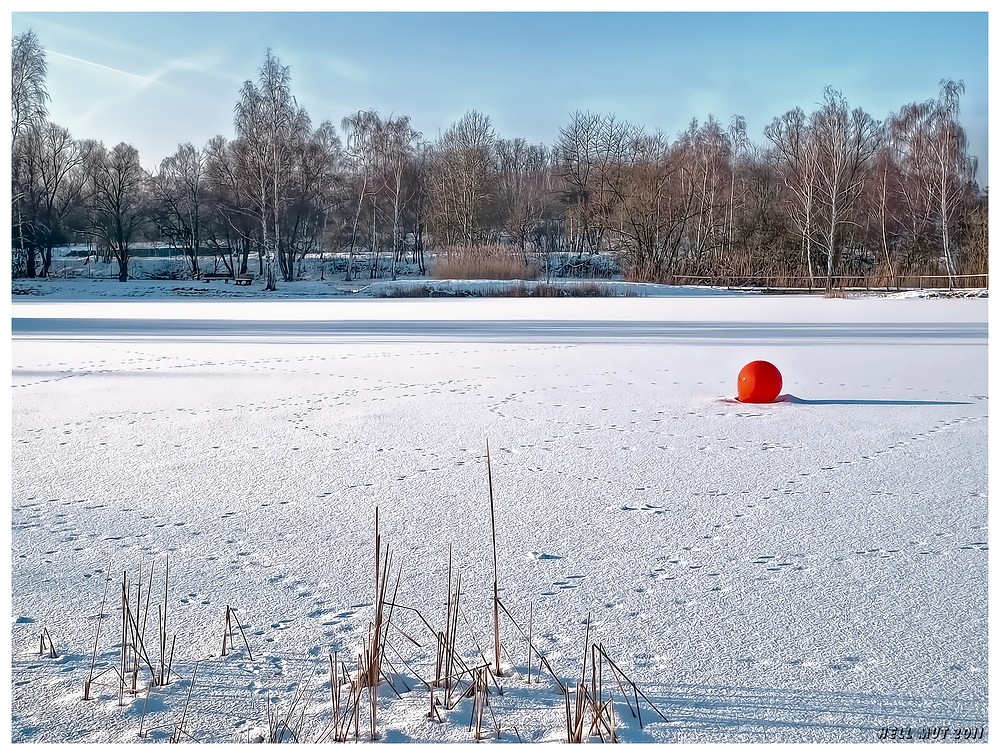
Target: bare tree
x: 234, y: 227
x: 576, y: 152
x: 739, y: 146
x: 415, y: 210
x: 938, y: 173
x: 362, y: 130
x: 28, y: 93
x: 463, y: 180
x: 847, y: 141
x: 179, y: 189
x: 882, y: 200
x: 523, y: 186
x: 648, y: 192
x: 707, y: 165
x: 117, y: 201
x: 28, y: 97
x: 267, y: 122
x: 53, y: 187
x: 795, y: 155
x: 399, y: 145
x: 311, y: 190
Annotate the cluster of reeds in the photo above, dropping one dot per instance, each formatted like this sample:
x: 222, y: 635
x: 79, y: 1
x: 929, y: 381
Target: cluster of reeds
x: 463, y: 669
x: 580, y: 289
x: 588, y: 702
x: 483, y: 262
x: 418, y: 291
x: 134, y: 656
x: 373, y: 666
x: 287, y: 727
x: 139, y: 663
x: 515, y: 289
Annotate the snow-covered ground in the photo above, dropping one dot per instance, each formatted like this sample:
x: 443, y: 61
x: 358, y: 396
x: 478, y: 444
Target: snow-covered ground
x: 812, y: 570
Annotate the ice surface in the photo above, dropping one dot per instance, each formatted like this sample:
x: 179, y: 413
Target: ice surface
x: 809, y: 570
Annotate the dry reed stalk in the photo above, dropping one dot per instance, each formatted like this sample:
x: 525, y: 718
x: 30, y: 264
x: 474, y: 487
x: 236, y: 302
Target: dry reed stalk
x: 45, y: 644
x: 180, y: 729
x: 97, y: 636
x: 149, y: 592
x: 480, y: 699
x: 164, y: 677
x: 569, y: 717
x: 542, y: 660
x: 583, y: 670
x: 334, y: 691
x: 496, y: 583
x: 228, y: 633
x: 280, y: 726
x: 124, y: 665
x: 433, y: 712
x: 440, y: 670
x: 531, y: 615
x: 637, y: 693
x: 451, y: 656
x: 603, y: 710
x: 356, y: 692
x: 343, y: 707
x: 482, y: 653
x: 370, y: 662
x: 145, y: 706
x: 139, y: 653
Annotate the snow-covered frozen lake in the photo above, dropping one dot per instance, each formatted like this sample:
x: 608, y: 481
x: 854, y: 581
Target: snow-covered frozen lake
x: 809, y: 570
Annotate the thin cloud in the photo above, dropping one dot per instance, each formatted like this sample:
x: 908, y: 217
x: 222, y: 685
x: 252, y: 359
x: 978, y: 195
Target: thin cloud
x: 205, y: 66
x: 136, y: 76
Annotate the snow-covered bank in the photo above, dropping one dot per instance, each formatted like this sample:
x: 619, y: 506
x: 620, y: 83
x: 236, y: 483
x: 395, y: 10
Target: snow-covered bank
x: 190, y: 291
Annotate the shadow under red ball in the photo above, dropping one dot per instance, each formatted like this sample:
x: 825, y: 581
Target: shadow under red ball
x: 758, y: 383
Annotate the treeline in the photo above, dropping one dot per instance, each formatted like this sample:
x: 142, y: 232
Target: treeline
x: 830, y: 193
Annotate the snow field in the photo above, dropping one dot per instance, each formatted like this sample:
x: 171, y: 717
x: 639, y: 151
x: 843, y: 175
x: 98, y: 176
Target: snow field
x: 809, y: 570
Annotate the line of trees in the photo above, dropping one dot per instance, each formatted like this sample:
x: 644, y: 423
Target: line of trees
x: 829, y: 193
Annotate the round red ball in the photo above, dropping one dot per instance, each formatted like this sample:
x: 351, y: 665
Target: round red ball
x: 758, y: 383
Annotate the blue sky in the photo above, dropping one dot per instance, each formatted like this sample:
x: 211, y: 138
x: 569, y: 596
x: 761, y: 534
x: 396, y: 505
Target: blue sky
x: 158, y: 79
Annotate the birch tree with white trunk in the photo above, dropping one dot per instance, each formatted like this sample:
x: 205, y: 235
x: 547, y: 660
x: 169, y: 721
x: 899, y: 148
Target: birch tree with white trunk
x: 938, y: 172
x: 795, y: 156
x: 267, y: 121
x: 847, y: 141
x: 28, y: 111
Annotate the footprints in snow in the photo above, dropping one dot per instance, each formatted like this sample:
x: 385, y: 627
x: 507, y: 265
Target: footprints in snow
x: 570, y: 582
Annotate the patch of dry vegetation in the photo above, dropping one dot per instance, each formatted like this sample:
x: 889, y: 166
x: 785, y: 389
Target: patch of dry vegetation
x: 402, y: 654
x: 482, y: 262
x: 514, y: 289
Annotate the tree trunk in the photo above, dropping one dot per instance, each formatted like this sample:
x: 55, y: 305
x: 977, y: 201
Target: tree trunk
x: 945, y: 240
x: 830, y: 253
x: 122, y: 257
x: 46, y: 261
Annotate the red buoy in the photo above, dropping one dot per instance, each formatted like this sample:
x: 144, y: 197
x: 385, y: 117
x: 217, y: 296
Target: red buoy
x: 758, y: 383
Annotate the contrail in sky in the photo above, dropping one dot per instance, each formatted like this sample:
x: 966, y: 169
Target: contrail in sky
x: 144, y: 79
